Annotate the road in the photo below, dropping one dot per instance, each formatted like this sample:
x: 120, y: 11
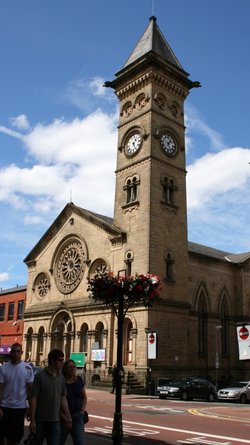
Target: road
x: 151, y: 421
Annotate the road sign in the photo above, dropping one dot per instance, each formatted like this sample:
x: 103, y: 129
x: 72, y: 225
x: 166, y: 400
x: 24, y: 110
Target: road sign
x: 243, y: 336
x: 152, y: 350
x: 151, y: 338
x: 243, y: 333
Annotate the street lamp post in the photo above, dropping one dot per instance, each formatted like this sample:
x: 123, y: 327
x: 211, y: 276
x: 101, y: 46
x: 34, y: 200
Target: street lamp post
x: 217, y: 358
x: 117, y: 432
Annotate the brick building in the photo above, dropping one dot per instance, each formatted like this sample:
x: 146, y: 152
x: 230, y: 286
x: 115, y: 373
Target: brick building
x: 205, y: 293
x: 12, y: 304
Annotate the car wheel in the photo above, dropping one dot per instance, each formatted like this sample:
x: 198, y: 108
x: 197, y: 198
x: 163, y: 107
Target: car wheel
x: 243, y: 398
x: 162, y: 397
x: 184, y: 395
x: 210, y: 397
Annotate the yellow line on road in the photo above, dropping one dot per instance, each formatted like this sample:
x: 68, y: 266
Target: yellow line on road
x: 196, y: 412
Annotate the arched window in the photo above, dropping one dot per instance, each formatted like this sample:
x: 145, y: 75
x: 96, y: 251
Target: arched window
x: 40, y: 344
x: 169, y: 188
x: 129, y: 257
x: 84, y: 338
x: 128, y: 342
x: 131, y: 188
x: 202, y: 325
x: 29, y: 339
x: 224, y: 328
x: 169, y: 267
x: 99, y: 334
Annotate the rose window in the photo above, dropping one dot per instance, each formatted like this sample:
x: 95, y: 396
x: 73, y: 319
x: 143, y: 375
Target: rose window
x: 70, y: 266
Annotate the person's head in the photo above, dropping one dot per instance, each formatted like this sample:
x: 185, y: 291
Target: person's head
x: 56, y: 358
x: 69, y: 368
x: 15, y: 353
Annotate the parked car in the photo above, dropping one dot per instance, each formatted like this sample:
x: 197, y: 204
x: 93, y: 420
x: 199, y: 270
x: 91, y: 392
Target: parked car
x: 161, y: 384
x: 239, y: 391
x: 188, y: 389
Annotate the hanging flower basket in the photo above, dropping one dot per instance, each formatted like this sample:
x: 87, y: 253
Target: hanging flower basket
x: 141, y: 289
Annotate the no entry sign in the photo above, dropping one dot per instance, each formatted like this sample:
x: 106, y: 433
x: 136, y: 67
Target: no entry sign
x: 243, y: 336
x: 152, y: 350
x: 151, y: 338
x: 243, y: 333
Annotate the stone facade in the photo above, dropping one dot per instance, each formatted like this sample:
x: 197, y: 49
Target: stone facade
x: 205, y: 291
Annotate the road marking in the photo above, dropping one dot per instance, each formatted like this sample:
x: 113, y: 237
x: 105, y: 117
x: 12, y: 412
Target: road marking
x: 200, y: 441
x: 177, y: 430
x: 196, y: 412
x: 139, y: 432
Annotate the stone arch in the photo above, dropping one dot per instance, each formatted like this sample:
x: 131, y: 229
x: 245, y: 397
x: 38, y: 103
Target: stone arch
x: 201, y: 292
x: 83, y: 337
x: 129, y: 339
x: 202, y: 307
x: 29, y: 342
x: 224, y: 314
x: 62, y: 330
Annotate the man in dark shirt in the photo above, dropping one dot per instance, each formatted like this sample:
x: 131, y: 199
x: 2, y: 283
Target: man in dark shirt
x: 48, y: 399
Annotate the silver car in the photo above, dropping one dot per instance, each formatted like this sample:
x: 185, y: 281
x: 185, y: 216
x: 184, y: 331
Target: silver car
x: 238, y: 392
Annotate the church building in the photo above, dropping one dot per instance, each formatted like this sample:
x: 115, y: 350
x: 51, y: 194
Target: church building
x: 205, y: 291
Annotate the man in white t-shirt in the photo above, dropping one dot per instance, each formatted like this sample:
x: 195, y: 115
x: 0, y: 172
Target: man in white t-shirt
x: 16, y: 379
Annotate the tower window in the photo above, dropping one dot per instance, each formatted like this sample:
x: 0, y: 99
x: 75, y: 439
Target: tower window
x: 169, y: 188
x: 128, y: 260
x: 169, y: 267
x: 131, y: 188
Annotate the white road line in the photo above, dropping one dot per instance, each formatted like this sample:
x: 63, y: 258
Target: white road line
x: 177, y: 430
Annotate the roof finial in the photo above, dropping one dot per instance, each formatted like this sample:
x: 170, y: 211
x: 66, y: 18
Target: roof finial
x: 153, y: 7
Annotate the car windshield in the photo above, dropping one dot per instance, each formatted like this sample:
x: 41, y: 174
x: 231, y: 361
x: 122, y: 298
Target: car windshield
x: 238, y: 385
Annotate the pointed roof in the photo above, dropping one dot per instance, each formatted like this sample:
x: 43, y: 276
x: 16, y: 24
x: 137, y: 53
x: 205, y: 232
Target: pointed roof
x: 104, y: 222
x: 153, y: 40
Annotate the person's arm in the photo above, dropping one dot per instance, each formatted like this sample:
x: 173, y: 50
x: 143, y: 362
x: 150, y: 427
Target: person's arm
x: 65, y: 413
x: 29, y: 388
x: 84, y: 401
x: 32, y: 414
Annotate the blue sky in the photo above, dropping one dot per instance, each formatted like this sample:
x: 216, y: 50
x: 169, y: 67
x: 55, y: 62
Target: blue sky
x: 58, y: 126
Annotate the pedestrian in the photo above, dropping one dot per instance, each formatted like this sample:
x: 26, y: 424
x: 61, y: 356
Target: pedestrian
x: 48, y: 400
x: 77, y: 401
x: 16, y: 377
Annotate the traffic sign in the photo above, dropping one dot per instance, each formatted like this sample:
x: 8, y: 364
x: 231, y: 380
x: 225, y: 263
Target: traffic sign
x: 152, y: 350
x: 151, y: 338
x: 243, y: 333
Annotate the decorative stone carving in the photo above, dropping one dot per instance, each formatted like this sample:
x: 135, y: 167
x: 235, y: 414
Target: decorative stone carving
x: 99, y: 267
x: 160, y: 100
x: 41, y: 285
x: 70, y: 264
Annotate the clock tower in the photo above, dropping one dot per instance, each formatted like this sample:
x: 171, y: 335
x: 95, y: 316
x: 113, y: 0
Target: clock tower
x: 150, y: 197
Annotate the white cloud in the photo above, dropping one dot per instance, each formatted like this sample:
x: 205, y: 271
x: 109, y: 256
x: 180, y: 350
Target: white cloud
x: 69, y: 158
x: 20, y: 122
x: 4, y: 276
x: 216, y: 174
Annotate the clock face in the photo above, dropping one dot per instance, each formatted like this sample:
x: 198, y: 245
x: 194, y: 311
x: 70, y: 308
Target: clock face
x: 133, y: 144
x: 168, y: 144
